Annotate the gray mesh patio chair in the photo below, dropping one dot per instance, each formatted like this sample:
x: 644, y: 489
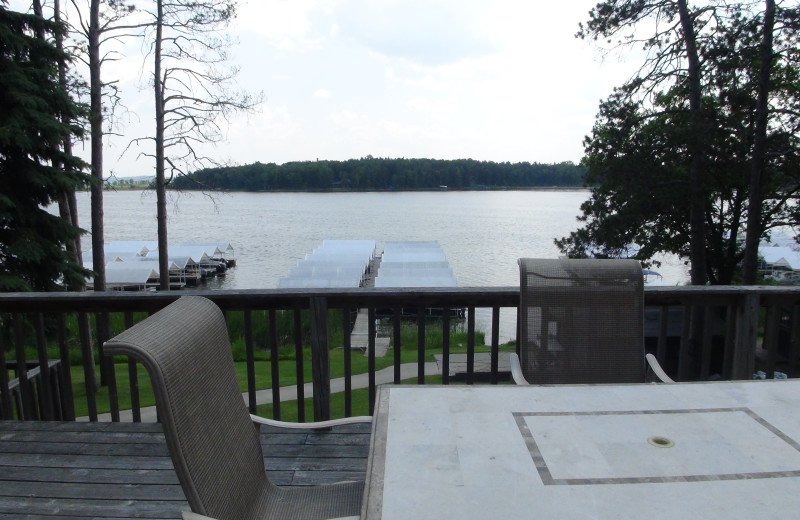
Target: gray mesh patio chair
x: 581, y: 321
x: 211, y: 437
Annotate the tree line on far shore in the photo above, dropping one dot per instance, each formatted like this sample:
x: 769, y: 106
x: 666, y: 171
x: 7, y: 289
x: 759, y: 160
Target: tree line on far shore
x: 370, y: 173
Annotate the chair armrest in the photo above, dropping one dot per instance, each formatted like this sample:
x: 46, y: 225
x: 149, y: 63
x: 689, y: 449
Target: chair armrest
x: 657, y: 370
x: 516, y: 370
x: 311, y: 425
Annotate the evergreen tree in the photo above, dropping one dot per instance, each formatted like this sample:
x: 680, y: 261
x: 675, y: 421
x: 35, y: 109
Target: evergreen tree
x: 33, y: 108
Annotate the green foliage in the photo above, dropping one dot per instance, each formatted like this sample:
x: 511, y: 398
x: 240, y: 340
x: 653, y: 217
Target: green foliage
x: 434, y: 336
x: 284, y: 324
x: 370, y: 173
x: 34, y: 171
x: 638, y: 156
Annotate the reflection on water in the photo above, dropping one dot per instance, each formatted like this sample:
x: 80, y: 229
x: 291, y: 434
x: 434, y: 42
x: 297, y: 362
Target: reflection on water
x: 481, y: 232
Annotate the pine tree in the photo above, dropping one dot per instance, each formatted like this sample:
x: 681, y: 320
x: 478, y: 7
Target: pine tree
x: 33, y: 108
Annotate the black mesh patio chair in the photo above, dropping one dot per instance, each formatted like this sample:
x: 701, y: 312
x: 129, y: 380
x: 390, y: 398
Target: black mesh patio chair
x: 211, y: 437
x: 581, y: 321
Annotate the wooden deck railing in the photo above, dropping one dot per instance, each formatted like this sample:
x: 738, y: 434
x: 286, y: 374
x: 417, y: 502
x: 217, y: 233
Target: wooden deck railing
x: 697, y: 333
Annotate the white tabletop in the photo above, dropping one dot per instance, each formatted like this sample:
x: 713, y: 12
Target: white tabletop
x: 566, y: 452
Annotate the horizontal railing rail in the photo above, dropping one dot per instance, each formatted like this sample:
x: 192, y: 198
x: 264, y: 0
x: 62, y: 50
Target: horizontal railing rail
x: 697, y: 333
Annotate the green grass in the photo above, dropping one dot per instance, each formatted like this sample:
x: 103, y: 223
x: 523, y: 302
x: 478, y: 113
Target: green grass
x: 263, y: 377
x: 359, y: 403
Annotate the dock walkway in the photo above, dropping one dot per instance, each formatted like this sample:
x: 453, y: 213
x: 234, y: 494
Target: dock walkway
x: 359, y: 337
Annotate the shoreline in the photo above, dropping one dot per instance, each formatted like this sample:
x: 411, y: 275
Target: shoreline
x: 337, y: 190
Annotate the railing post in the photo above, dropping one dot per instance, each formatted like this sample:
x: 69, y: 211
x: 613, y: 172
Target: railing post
x: 320, y: 359
x: 746, y: 336
x: 6, y: 412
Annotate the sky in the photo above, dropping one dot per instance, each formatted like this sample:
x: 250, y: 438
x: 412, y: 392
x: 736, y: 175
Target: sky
x: 494, y: 80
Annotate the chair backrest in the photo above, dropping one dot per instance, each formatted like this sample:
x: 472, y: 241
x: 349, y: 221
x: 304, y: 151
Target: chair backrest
x: 581, y: 321
x: 213, y: 443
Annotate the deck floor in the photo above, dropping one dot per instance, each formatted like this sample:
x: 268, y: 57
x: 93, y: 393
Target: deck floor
x: 123, y: 470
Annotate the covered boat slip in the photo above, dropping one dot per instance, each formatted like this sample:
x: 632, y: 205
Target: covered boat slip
x: 349, y: 263
x: 414, y: 264
x: 333, y: 264
x: 133, y: 265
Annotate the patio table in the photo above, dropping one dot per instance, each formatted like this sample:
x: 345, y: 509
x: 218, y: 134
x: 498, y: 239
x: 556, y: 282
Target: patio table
x: 657, y: 451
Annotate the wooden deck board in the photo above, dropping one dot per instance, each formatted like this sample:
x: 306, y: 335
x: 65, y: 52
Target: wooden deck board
x: 123, y: 470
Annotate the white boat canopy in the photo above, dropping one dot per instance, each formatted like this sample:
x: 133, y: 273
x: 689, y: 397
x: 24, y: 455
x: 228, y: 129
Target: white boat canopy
x: 333, y: 264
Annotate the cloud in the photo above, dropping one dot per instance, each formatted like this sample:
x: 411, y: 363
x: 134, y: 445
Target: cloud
x: 500, y: 80
x: 426, y: 32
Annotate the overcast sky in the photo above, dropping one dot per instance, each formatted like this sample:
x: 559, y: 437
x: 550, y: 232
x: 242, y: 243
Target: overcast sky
x: 499, y: 80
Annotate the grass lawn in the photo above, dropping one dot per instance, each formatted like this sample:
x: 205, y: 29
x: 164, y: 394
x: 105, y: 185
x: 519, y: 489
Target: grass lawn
x: 359, y: 403
x: 287, y: 373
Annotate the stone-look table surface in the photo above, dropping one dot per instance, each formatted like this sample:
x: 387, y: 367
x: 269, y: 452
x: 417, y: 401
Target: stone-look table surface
x: 656, y: 451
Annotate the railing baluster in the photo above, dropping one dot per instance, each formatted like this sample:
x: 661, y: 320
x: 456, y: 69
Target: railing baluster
x: 397, y: 340
x: 663, y: 328
x: 300, y: 375
x: 420, y: 346
x: 27, y: 410
x: 273, y: 364
x: 320, y: 359
x: 470, y: 345
x: 371, y: 333
x: 133, y: 377
x: 705, y: 359
x: 67, y: 397
x: 45, y: 392
x: 90, y: 381
x: 794, y: 342
x: 446, y: 347
x: 348, y: 362
x: 770, y: 344
x: 746, y: 336
x: 730, y: 341
x: 683, y: 355
x: 55, y: 386
x: 495, y: 344
x: 251, y: 361
x: 108, y: 373
x: 6, y: 412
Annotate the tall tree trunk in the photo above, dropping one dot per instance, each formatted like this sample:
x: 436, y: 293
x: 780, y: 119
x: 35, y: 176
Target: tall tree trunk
x: 68, y: 205
x: 697, y: 195
x: 757, y: 174
x: 96, y: 126
x: 161, y: 190
x: 73, y: 247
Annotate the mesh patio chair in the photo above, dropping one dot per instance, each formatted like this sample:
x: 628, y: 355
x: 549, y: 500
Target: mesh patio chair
x: 581, y: 321
x: 211, y: 437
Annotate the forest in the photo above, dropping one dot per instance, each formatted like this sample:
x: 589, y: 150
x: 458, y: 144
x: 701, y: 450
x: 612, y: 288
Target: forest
x: 370, y: 173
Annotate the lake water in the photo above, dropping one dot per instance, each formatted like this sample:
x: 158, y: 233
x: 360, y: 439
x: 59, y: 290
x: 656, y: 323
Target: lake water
x: 481, y: 232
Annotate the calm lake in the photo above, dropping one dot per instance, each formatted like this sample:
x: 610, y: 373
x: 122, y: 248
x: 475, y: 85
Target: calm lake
x: 481, y: 232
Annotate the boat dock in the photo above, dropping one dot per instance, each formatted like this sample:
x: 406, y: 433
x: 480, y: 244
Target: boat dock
x: 354, y: 263
x: 134, y: 265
